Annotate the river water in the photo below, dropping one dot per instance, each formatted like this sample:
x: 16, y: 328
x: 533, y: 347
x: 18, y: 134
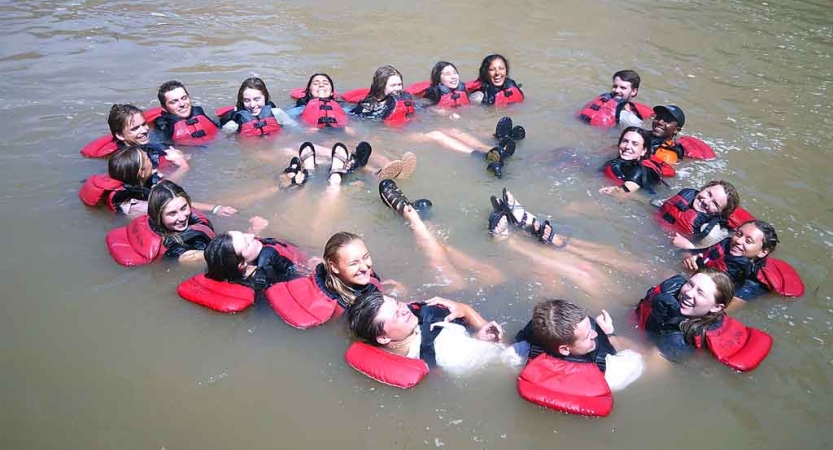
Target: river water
x: 98, y: 356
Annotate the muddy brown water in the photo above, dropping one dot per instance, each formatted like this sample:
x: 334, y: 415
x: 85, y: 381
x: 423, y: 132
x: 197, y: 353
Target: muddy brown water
x: 98, y: 356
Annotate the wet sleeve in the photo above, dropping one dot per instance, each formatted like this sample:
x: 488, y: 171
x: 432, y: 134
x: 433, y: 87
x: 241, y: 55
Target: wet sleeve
x: 283, y: 118
x: 750, y: 289
x: 275, y: 267
x: 673, y: 347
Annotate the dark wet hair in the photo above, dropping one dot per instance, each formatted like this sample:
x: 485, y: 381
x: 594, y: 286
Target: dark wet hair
x: 732, y: 196
x: 160, y: 196
x: 554, y: 322
x: 483, y: 74
x: 723, y: 295
x: 629, y: 76
x: 380, y: 81
x: 770, y: 236
x: 307, y: 93
x: 361, y: 317
x: 438, y: 70
x: 166, y: 87
x: 646, y: 138
x: 124, y: 165
x: 252, y: 83
x: 120, y: 116
x: 223, y: 262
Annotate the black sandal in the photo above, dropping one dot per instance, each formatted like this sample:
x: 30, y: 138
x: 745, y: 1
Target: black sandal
x: 344, y: 157
x: 293, y: 169
x: 547, y: 226
x: 518, y: 133
x: 392, y: 196
x: 362, y: 154
x: 499, y: 223
x: 305, y: 152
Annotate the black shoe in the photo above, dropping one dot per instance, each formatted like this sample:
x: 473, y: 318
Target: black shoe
x: 423, y: 207
x: 518, y: 133
x: 496, y: 168
x: 508, y: 146
x: 362, y: 154
x: 503, y: 127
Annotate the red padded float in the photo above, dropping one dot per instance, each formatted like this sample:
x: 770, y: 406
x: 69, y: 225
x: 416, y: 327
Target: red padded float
x: 136, y: 244
x: 571, y: 387
x: 736, y: 345
x: 221, y: 296
x: 384, y: 367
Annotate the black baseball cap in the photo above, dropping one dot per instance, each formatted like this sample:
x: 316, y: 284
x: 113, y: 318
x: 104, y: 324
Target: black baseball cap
x: 673, y: 111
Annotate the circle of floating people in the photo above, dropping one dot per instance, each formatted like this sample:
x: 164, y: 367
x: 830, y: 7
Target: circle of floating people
x: 571, y: 359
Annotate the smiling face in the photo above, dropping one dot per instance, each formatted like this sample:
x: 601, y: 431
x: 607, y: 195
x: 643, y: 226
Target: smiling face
x: 632, y: 146
x: 497, y: 72
x: 584, y: 340
x: 449, y: 77
x: 711, y: 200
x: 136, y: 131
x: 320, y: 87
x: 175, y: 214
x: 748, y: 241
x: 352, y: 264
x: 253, y: 100
x: 665, y: 126
x: 393, y: 85
x: 623, y: 90
x: 697, y: 297
x: 246, y: 246
x: 398, y: 322
x: 178, y: 103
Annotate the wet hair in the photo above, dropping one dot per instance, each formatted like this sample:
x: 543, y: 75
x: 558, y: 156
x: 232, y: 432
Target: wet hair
x: 160, y: 196
x: 223, y: 262
x: 770, y: 236
x: 120, y: 116
x: 252, y: 83
x: 629, y: 76
x: 646, y: 138
x: 166, y: 87
x: 554, y: 322
x: 732, y: 196
x: 438, y: 70
x: 125, y: 164
x: 697, y: 326
x: 307, y: 93
x: 380, y: 81
x: 361, y: 317
x: 483, y: 74
x: 332, y: 281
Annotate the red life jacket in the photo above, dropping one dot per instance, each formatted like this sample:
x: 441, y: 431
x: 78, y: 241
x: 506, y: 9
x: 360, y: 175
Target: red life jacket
x: 455, y: 98
x: 738, y: 217
x: 107, y: 145
x: 98, y: 187
x: 780, y: 277
x: 138, y: 244
x: 695, y: 148
x: 402, y: 111
x: 195, y: 130
x: 324, y: 113
x: 661, y: 168
x: 604, y: 110
x: 670, y: 286
x: 505, y: 95
x: 385, y: 367
x: 571, y: 387
x: 736, y: 345
x: 678, y: 214
x: 301, y: 303
x: 248, y: 125
x: 444, y: 96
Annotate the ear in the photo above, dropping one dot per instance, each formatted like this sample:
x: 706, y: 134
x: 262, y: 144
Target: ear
x: 332, y: 267
x: 564, y: 349
x: 717, y: 308
x: 383, y: 340
x: 762, y: 254
x: 242, y: 265
x: 634, y: 92
x: 119, y: 136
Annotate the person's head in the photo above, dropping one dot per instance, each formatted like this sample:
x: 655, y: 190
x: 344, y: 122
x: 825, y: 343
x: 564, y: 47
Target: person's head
x: 169, y: 207
x: 228, y: 254
x: 708, y: 291
x: 253, y: 95
x: 386, y: 80
x: 130, y: 165
x: 668, y: 121
x: 174, y: 99
x: 320, y: 85
x: 625, y: 85
x: 494, y: 70
x: 634, y: 143
x: 380, y: 320
x: 127, y: 124
x: 563, y: 327
x: 754, y: 239
x: 717, y: 198
x: 348, y: 265
x: 444, y: 73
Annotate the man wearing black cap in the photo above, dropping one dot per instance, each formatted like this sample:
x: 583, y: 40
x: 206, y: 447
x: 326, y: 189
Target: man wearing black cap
x: 668, y: 121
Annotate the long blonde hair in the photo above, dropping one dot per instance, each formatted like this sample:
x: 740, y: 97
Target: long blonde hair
x: 332, y: 281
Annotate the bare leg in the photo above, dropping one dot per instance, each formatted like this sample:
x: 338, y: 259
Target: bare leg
x: 443, y: 140
x: 437, y: 256
x: 467, y: 139
x: 463, y: 261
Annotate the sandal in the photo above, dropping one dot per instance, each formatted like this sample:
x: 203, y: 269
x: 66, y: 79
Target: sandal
x: 392, y: 196
x: 391, y: 171
x: 306, y: 152
x: 527, y: 221
x: 340, y: 153
x: 518, y: 133
x: 546, y: 234
x: 362, y: 154
x: 499, y: 223
x: 503, y: 127
x: 294, y: 169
